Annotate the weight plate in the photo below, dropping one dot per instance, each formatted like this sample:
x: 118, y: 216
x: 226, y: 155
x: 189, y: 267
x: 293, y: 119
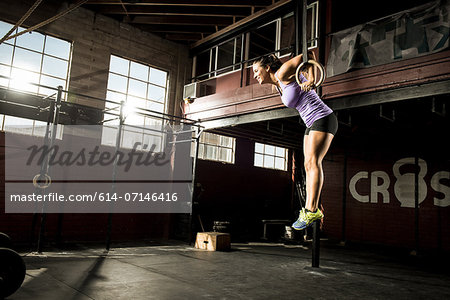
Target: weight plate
x: 12, y: 272
x: 5, y: 240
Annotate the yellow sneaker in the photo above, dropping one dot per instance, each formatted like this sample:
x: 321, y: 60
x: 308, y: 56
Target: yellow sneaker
x: 306, y: 218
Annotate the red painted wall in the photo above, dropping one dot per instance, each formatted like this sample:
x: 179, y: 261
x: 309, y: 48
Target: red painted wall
x: 385, y: 219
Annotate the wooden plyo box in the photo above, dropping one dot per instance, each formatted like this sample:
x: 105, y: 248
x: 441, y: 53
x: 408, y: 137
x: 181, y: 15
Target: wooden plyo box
x: 213, y: 241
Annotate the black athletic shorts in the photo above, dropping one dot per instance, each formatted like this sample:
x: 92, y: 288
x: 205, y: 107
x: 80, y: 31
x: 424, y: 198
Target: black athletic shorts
x: 326, y: 124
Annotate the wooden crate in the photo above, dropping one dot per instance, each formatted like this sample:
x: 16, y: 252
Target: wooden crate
x: 213, y: 241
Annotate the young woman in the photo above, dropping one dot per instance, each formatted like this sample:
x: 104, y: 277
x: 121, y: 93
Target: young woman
x: 321, y: 123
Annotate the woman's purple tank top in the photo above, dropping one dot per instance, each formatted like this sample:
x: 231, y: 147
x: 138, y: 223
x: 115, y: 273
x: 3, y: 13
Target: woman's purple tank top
x: 308, y: 104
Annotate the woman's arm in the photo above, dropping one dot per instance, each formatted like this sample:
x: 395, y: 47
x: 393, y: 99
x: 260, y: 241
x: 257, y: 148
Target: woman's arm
x: 286, y: 73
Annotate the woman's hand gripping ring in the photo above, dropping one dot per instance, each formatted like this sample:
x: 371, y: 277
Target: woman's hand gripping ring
x: 315, y: 84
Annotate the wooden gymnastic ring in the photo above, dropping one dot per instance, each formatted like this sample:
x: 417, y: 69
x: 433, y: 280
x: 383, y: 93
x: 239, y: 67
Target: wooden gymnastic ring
x: 315, y: 63
x: 36, y: 181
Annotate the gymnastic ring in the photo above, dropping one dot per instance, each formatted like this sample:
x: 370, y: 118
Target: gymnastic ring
x: 47, y: 183
x: 315, y: 63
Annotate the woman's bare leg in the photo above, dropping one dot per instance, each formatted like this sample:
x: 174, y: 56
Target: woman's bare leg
x: 315, y: 147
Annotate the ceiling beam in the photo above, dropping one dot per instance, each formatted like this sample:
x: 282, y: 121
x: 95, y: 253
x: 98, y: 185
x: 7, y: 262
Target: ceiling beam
x: 175, y: 10
x: 181, y: 20
x: 245, y: 20
x: 220, y: 3
x: 183, y: 36
x: 167, y: 28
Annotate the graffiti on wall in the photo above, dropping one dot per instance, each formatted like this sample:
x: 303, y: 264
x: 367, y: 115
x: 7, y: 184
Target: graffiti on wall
x: 415, y: 32
x: 406, y: 184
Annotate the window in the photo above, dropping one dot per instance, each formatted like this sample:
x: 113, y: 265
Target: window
x: 287, y: 35
x: 220, y: 58
x: 216, y: 147
x: 228, y: 54
x: 271, y: 157
x: 30, y: 60
x: 264, y: 39
x: 141, y: 87
x: 312, y: 34
x: 278, y: 34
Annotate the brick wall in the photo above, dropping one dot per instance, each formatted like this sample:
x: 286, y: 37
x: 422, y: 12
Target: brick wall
x: 388, y: 216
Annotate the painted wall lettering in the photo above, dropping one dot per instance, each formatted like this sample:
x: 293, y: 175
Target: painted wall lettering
x: 404, y: 171
x: 441, y: 188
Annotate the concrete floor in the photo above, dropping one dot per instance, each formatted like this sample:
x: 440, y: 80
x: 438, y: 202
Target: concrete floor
x: 249, y: 271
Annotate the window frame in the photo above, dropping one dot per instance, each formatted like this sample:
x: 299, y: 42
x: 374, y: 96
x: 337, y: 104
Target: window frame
x: 214, y: 52
x: 264, y: 154
x: 111, y: 105
x: 41, y: 74
x: 201, y: 155
x: 312, y: 43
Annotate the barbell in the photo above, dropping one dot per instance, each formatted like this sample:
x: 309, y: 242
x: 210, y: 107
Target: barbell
x: 12, y: 268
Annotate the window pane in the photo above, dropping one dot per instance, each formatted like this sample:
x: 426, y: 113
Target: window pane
x: 212, y: 139
x: 280, y: 152
x: 133, y: 102
x: 156, y: 93
x: 117, y: 83
x: 309, y: 20
x: 237, y: 58
x: 139, y: 71
x: 51, y: 82
x: 4, y: 29
x: 131, y: 136
x: 158, y: 77
x: 21, y: 80
x: 258, y: 160
x: 109, y: 133
x: 116, y: 97
x: 119, y: 65
x: 259, y: 148
x: 19, y: 125
x: 225, y: 154
x: 226, y: 141
x: 155, y: 106
x: 262, y: 40
x: 269, y: 150
x: 279, y: 163
x: 201, y: 150
x: 151, y: 140
x: 57, y: 47
x: 4, y: 71
x: 269, y: 161
x: 55, y: 67
x: 213, y: 60
x: 32, y: 40
x: 134, y: 119
x: 153, y: 122
x: 110, y: 120
x: 137, y: 88
x: 225, y: 56
x: 202, y: 64
x: 28, y: 60
x: 287, y: 34
x: 6, y: 53
x: 40, y: 127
